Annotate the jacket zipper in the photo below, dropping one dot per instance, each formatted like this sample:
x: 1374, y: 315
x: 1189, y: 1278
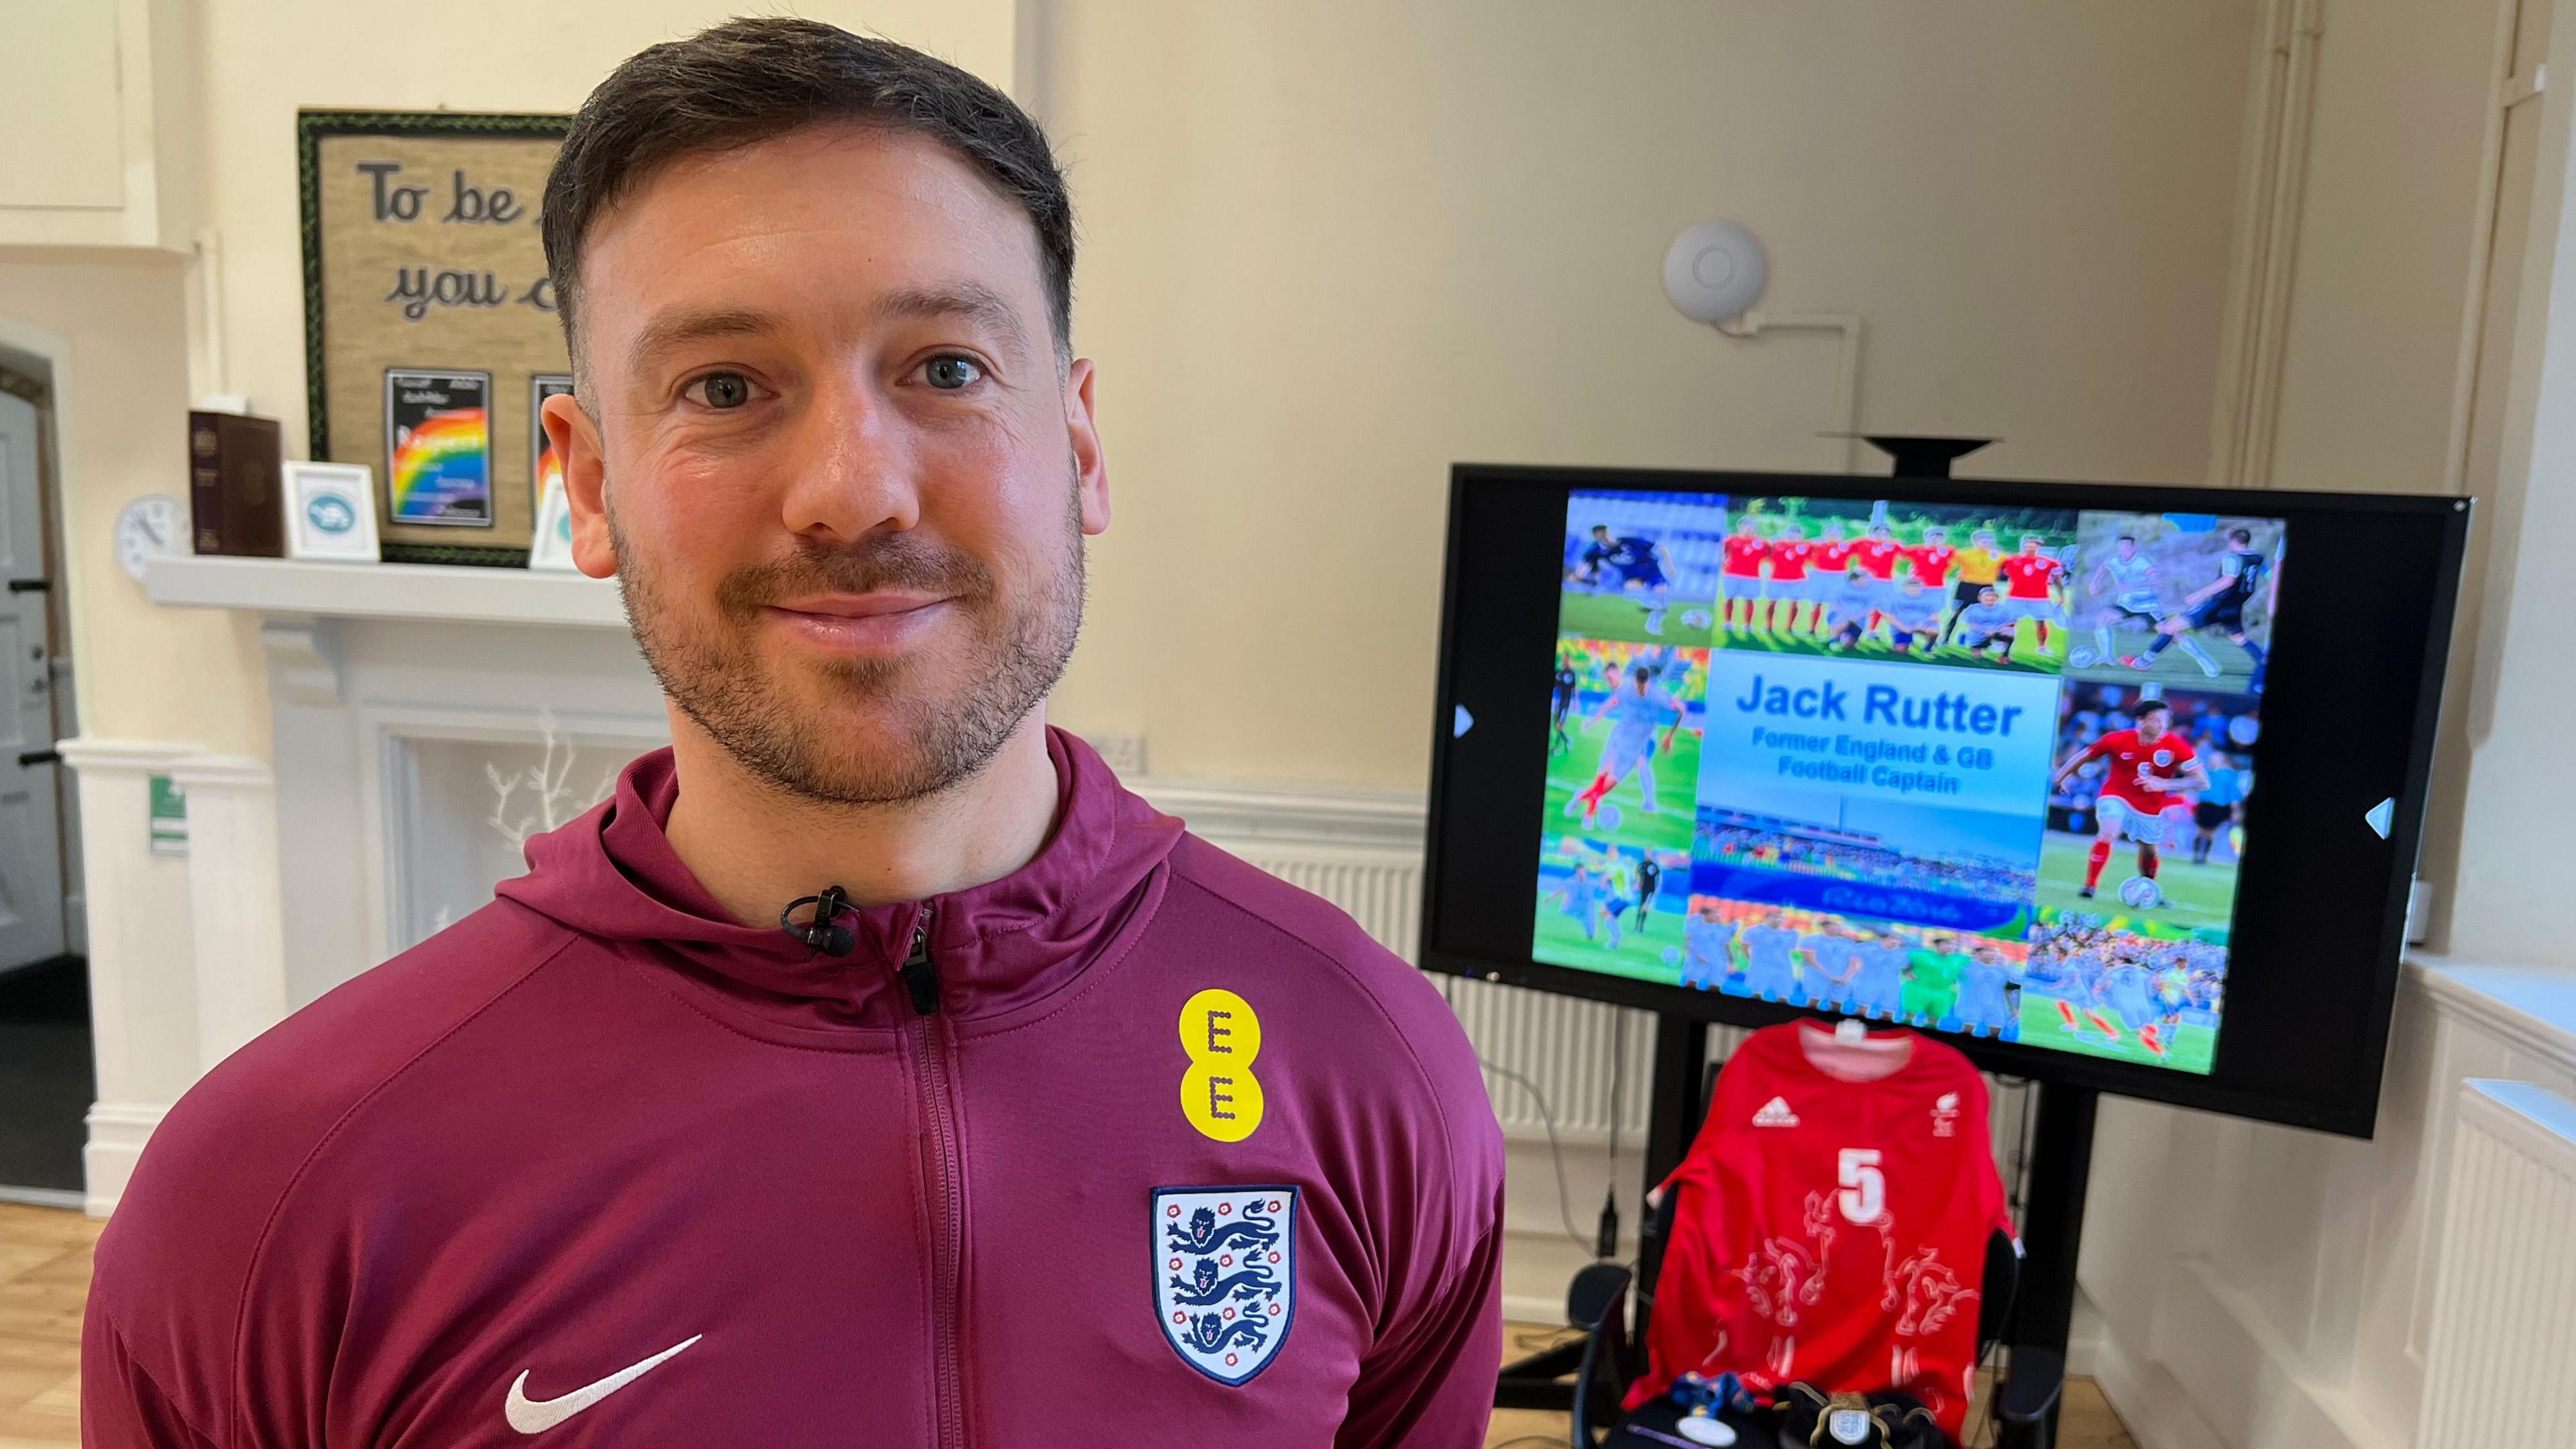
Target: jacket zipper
x: 919, y: 975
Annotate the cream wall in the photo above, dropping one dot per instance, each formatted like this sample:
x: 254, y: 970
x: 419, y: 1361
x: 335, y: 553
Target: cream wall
x: 2387, y: 239
x: 265, y: 59
x: 134, y: 317
x: 121, y: 393
x: 1332, y: 247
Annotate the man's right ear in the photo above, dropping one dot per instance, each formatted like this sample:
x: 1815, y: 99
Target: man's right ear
x: 585, y: 471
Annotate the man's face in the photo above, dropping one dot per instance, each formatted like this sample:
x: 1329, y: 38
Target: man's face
x: 824, y: 441
x: 2151, y: 726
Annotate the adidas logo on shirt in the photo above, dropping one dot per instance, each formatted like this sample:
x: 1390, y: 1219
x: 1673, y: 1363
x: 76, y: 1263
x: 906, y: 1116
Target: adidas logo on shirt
x: 1775, y: 1113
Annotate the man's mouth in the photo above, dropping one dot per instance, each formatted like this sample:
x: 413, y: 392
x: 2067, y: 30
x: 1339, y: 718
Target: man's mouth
x: 875, y: 622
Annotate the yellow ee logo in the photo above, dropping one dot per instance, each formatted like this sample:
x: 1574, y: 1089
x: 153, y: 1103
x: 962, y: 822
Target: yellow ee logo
x: 1219, y: 1094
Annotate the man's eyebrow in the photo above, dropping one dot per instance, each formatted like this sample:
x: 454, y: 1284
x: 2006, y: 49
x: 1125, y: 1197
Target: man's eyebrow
x: 675, y: 329
x: 972, y: 301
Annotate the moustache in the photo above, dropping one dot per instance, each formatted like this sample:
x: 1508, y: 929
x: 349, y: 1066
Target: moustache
x: 895, y: 561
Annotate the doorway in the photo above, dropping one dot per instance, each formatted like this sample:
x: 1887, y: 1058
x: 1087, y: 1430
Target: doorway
x: 47, y: 1061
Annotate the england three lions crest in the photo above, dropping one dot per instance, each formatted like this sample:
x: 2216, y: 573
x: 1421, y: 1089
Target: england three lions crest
x: 1225, y: 1275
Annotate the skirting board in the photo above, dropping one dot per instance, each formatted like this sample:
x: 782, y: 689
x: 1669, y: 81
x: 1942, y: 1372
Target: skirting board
x: 117, y: 1132
x: 2275, y: 1404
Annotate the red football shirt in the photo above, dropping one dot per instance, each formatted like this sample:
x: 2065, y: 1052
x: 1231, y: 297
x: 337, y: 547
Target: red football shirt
x: 2132, y: 757
x: 1832, y: 557
x: 2030, y: 574
x: 1878, y: 556
x: 1833, y: 1222
x: 1931, y: 562
x: 1744, y: 556
x: 1789, y: 559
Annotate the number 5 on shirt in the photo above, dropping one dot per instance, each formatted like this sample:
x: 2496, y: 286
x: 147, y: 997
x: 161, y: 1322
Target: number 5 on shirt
x: 1864, y: 1194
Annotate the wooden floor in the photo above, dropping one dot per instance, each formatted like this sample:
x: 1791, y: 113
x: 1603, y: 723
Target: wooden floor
x: 2086, y: 1422
x: 44, y: 1278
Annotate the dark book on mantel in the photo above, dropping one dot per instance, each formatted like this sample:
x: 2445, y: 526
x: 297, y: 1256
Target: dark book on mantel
x: 236, y: 493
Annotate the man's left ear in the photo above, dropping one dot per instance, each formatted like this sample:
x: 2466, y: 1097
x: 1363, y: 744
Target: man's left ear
x: 1091, y: 471
x: 576, y: 441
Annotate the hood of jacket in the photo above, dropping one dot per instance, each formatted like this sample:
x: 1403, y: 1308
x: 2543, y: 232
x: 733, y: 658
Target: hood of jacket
x: 612, y: 875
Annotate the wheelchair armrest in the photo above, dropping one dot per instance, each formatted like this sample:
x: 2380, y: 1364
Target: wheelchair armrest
x: 1597, y: 1294
x: 2030, y: 1392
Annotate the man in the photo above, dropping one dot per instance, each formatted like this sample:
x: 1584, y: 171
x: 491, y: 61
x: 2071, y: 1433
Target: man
x: 1979, y: 566
x: 2223, y: 803
x: 2151, y: 768
x: 1629, y: 565
x: 1740, y: 575
x: 1561, y: 705
x: 1932, y: 979
x: 1878, y: 989
x: 1852, y: 612
x: 1985, y: 627
x: 1636, y: 705
x: 1650, y: 878
x: 1985, y: 1003
x: 1879, y: 553
x: 1836, y: 957
x: 1787, y: 588
x: 2220, y: 605
x: 1930, y: 562
x: 1706, y: 959
x: 1914, y: 612
x: 1581, y: 895
x: 1770, y: 958
x: 2129, y: 577
x: 2030, y: 587
x: 957, y: 1157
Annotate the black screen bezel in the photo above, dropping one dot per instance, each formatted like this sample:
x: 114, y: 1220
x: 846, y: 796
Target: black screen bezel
x: 1481, y: 849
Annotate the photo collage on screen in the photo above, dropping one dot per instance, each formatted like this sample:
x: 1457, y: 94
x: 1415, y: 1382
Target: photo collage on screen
x: 1976, y: 769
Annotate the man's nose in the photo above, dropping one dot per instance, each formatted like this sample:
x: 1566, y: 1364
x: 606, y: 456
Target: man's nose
x: 853, y: 472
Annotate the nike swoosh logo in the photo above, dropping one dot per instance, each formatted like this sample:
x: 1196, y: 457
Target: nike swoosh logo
x: 535, y: 1416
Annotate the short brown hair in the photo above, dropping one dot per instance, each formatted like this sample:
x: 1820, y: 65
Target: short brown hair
x: 751, y: 80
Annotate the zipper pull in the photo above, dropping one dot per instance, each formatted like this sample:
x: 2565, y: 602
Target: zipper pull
x: 920, y: 974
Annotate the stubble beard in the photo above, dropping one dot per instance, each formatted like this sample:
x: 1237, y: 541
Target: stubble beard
x: 932, y: 736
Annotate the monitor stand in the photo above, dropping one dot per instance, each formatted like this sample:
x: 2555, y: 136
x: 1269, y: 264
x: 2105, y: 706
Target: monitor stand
x: 1919, y: 456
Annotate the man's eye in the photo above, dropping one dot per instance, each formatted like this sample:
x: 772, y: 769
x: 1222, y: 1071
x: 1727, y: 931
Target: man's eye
x: 948, y: 374
x: 720, y: 390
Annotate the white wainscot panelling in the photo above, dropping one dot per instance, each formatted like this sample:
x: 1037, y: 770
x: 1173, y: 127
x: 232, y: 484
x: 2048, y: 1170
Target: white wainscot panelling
x: 2260, y: 1286
x: 2504, y: 1314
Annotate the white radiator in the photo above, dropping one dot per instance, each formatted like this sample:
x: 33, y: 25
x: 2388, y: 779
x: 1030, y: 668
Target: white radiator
x: 1563, y: 1046
x: 2502, y: 1349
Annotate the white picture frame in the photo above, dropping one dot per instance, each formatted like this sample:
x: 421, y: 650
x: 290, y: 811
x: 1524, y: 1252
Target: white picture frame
x: 331, y: 512
x: 551, y: 546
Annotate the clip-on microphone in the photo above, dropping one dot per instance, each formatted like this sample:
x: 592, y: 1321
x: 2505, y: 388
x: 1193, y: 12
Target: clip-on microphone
x: 824, y: 930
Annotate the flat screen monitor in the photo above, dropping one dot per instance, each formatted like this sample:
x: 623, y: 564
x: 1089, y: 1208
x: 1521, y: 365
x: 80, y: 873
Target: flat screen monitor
x: 2111, y: 785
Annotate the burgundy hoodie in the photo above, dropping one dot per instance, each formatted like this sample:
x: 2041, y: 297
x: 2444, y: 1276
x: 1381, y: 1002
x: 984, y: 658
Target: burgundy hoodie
x: 1167, y: 1152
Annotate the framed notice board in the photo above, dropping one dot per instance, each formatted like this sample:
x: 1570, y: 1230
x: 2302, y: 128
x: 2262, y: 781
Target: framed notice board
x: 429, y: 320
